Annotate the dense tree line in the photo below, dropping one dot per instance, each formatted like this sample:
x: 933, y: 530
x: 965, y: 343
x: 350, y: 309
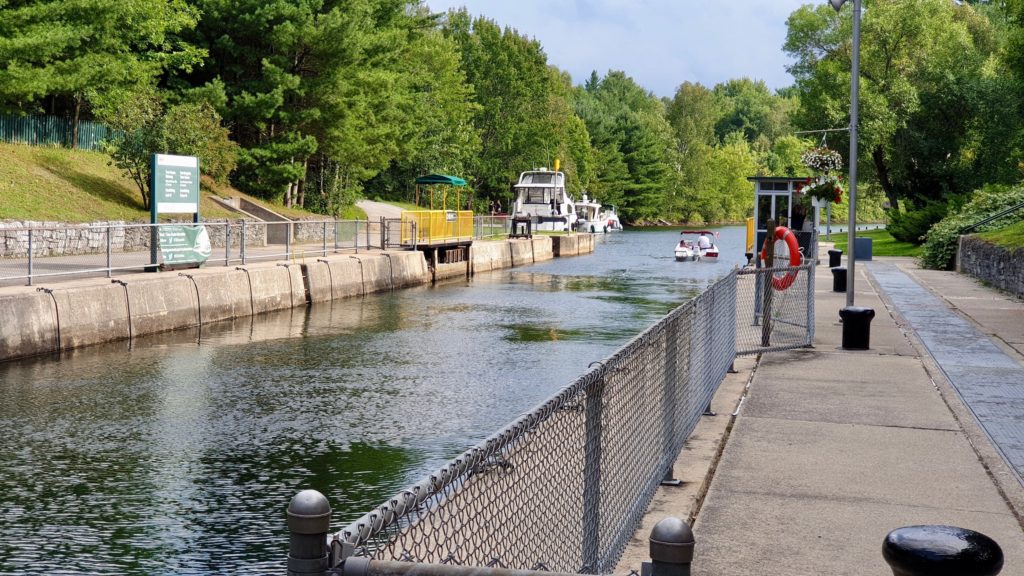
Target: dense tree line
x: 317, y: 102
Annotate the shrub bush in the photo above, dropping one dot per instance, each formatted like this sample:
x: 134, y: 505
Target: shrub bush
x: 912, y: 225
x: 939, y: 250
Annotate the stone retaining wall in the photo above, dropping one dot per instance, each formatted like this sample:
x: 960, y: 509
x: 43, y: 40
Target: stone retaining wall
x: 992, y: 264
x: 60, y: 239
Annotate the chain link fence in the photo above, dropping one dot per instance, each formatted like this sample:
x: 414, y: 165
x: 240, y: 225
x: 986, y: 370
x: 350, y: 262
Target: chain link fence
x: 774, y: 308
x: 564, y: 487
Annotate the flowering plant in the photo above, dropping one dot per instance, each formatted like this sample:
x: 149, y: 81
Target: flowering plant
x: 823, y: 189
x: 822, y: 159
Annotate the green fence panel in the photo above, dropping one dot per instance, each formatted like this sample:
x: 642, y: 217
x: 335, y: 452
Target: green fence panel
x: 50, y: 131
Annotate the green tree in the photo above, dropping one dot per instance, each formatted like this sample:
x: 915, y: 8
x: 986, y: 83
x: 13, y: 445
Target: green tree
x: 59, y: 56
x: 920, y: 97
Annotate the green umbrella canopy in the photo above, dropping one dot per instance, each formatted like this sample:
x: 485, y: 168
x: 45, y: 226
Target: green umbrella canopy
x: 441, y: 179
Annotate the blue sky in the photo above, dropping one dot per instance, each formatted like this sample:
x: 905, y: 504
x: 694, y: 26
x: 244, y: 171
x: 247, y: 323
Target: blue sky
x: 658, y: 43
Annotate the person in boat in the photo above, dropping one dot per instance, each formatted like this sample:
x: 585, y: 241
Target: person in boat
x: 703, y: 242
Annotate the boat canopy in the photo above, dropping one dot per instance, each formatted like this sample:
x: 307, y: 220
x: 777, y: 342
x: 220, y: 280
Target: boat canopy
x: 441, y: 179
x: 704, y: 232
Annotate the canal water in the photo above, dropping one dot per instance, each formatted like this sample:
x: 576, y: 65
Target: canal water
x: 179, y: 454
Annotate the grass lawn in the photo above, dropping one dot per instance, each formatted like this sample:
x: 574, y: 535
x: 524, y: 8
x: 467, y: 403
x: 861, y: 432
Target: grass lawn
x: 882, y: 244
x: 52, y: 184
x: 1010, y: 237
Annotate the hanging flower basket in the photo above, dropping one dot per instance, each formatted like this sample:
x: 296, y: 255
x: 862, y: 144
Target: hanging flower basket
x: 822, y: 159
x: 822, y: 191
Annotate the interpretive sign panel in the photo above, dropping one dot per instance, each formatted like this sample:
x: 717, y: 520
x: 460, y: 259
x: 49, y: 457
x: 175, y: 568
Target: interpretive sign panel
x: 184, y: 246
x: 175, y: 184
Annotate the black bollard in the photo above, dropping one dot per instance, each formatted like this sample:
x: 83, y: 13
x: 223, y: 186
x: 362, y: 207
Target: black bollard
x: 671, y: 544
x: 941, y: 551
x: 309, y: 521
x: 856, y: 327
x: 839, y: 279
x: 834, y: 258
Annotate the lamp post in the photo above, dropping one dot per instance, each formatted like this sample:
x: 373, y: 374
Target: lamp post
x: 854, y: 85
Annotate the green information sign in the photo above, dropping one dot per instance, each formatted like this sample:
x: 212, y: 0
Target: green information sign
x: 175, y: 184
x: 184, y: 246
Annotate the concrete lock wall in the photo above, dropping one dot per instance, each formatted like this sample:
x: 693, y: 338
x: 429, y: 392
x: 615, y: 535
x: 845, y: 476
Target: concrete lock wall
x: 408, y: 269
x: 161, y: 304
x: 543, y: 248
x: 80, y: 313
x: 487, y: 256
x: 521, y: 252
x: 28, y: 325
x: 91, y: 314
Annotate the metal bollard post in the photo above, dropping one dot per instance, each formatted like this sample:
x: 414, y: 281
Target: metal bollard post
x: 309, y: 521
x: 935, y: 550
x: 671, y: 544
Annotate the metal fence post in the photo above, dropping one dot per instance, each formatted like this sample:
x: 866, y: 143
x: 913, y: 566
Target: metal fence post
x: 325, y: 237
x: 288, y: 241
x: 309, y: 521
x: 671, y: 546
x: 227, y: 242
x: 383, y: 236
x: 30, y: 250
x: 592, y: 479
x: 242, y: 241
x: 109, y: 254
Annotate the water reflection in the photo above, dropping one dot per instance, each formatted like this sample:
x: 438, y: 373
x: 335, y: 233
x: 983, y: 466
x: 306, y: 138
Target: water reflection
x: 177, y: 454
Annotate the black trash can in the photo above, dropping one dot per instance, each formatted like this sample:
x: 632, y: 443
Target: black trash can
x: 839, y: 279
x: 834, y: 258
x: 856, y: 327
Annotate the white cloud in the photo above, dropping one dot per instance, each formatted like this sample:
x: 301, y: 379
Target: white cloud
x: 658, y: 43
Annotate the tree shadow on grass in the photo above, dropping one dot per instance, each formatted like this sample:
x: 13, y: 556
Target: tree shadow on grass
x: 122, y: 193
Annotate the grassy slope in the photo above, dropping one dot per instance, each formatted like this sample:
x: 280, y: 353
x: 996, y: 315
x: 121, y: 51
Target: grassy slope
x: 1010, y: 237
x: 882, y: 244
x: 56, y: 184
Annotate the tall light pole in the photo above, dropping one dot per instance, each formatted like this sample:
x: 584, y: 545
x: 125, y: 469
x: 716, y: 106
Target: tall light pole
x: 854, y: 85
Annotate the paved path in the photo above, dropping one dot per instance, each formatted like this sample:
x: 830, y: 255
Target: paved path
x: 816, y: 454
x: 989, y: 380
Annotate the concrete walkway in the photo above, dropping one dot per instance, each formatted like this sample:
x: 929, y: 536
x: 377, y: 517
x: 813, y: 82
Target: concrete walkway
x: 816, y: 454
x: 834, y: 448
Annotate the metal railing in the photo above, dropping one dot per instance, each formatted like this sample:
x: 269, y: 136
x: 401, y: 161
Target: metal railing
x: 31, y: 253
x: 436, y: 226
x: 565, y: 486
x: 992, y: 218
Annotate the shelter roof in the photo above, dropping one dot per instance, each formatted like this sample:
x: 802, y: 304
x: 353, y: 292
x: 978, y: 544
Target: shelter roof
x: 441, y: 179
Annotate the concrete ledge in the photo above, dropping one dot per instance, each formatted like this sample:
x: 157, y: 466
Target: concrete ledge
x: 565, y: 245
x: 161, y: 304
x: 91, y: 314
x: 223, y: 294
x: 376, y: 273
x: 408, y: 269
x: 454, y: 270
x: 543, y: 248
x: 317, y: 278
x: 521, y: 252
x: 346, y: 277
x: 487, y: 256
x: 276, y: 287
x: 28, y: 325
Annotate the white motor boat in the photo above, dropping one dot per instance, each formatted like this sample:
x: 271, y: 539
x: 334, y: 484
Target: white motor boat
x: 591, y: 218
x: 703, y: 248
x: 541, y: 197
x: 686, y: 251
x: 611, y: 219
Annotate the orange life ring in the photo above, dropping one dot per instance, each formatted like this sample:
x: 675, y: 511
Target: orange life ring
x: 787, y: 236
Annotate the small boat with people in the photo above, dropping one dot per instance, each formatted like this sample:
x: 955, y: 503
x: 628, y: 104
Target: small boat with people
x: 702, y: 248
x: 611, y: 218
x: 542, y: 198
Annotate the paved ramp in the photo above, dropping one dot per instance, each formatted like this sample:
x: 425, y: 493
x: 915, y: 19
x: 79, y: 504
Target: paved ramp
x: 990, y: 381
